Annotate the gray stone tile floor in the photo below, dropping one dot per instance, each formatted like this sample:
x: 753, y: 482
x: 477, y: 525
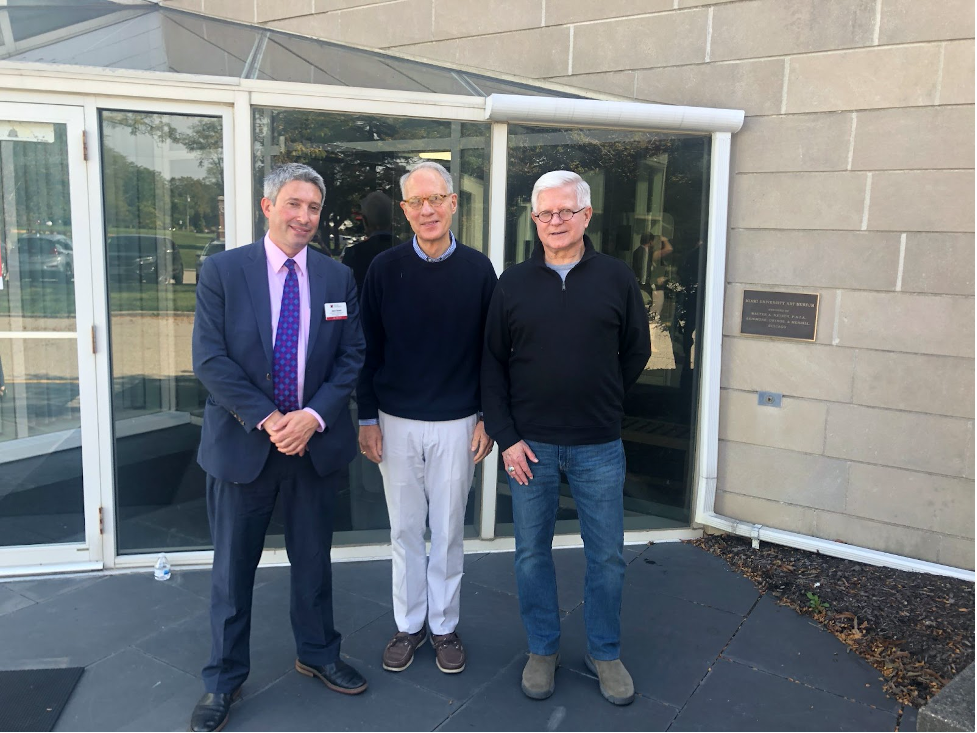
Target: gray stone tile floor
x: 706, y: 651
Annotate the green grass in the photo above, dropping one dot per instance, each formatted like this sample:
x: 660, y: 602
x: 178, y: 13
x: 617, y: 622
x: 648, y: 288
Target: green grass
x: 150, y: 298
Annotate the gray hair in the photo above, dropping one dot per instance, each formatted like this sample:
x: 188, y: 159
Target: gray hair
x: 559, y: 179
x: 430, y: 165
x: 276, y: 180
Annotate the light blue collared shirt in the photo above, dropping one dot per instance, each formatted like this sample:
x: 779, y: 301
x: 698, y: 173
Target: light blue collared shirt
x: 447, y: 253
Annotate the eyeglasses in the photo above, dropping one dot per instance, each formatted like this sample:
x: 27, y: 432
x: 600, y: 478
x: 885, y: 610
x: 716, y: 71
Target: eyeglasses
x: 435, y: 199
x: 564, y: 214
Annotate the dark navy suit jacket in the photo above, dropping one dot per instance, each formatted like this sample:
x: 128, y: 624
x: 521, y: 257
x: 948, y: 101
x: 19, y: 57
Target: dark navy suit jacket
x: 233, y: 356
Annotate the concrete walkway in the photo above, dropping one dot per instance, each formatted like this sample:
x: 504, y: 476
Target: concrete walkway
x: 706, y: 651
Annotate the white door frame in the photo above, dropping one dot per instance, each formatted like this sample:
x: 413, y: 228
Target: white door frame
x: 88, y: 554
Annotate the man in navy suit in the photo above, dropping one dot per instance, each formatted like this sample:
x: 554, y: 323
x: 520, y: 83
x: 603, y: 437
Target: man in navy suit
x: 277, y: 343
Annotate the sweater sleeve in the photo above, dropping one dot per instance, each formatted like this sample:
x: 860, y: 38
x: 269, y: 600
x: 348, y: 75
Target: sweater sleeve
x: 635, y: 347
x: 489, y: 286
x: 372, y: 321
x: 495, y: 374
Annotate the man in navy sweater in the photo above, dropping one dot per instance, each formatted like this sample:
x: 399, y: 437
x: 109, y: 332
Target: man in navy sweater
x: 423, y: 309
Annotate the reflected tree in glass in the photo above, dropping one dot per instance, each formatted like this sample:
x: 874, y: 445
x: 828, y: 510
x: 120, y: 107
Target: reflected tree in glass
x: 162, y: 187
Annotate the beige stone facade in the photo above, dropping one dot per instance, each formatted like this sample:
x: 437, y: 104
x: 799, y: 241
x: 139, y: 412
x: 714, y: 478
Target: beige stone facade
x: 853, y: 177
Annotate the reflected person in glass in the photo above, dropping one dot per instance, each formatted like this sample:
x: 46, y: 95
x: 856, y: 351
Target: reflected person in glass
x: 277, y: 344
x: 376, y: 210
x: 424, y: 304
x: 566, y: 337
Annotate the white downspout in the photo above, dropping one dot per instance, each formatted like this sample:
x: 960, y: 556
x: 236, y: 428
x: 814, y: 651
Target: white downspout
x: 710, y: 357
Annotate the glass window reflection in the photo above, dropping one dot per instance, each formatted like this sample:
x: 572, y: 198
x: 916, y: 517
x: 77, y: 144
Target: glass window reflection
x: 649, y: 193
x: 163, y: 184
x: 41, y: 489
x: 359, y: 156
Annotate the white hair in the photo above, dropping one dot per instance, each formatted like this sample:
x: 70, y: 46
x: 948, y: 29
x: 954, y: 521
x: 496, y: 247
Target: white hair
x: 560, y: 179
x: 428, y: 165
x: 275, y: 181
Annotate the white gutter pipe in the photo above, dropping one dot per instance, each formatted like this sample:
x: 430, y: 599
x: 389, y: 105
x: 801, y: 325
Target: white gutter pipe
x: 758, y: 533
x: 599, y: 113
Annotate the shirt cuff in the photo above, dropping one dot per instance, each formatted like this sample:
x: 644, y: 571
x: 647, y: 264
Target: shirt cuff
x: 261, y: 425
x: 322, y: 424
x: 369, y: 421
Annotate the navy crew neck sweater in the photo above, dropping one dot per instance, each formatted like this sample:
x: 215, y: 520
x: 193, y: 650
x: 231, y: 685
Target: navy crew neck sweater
x: 424, y: 323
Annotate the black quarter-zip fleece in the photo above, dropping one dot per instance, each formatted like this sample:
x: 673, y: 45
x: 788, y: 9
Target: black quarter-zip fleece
x: 560, y: 355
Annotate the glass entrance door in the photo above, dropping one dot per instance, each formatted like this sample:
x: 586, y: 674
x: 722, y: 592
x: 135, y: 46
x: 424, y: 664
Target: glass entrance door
x: 49, y: 480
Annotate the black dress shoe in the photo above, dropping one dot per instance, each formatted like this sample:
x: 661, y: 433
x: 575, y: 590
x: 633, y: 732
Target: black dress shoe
x: 337, y: 676
x: 212, y: 711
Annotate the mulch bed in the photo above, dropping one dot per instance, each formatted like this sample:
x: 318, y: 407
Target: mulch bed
x: 916, y: 629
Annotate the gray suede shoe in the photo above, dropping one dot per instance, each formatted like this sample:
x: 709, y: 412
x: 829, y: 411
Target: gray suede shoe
x: 615, y: 683
x: 538, y: 676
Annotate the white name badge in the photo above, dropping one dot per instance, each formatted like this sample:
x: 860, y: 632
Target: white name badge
x: 335, y: 311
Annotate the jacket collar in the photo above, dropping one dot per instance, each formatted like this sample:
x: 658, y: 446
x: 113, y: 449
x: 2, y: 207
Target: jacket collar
x: 539, y: 254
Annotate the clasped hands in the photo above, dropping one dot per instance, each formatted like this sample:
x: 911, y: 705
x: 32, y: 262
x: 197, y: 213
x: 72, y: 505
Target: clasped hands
x: 290, y: 432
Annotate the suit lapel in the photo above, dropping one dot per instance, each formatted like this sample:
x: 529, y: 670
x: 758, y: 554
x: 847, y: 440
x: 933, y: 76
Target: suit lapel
x: 317, y: 298
x: 256, y: 272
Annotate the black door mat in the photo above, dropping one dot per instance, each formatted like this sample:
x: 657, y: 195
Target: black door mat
x: 32, y: 699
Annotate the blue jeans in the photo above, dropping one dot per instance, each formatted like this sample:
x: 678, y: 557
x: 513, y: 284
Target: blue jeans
x: 596, y: 477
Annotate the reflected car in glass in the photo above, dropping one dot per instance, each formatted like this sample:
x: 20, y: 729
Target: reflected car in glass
x: 144, y: 258
x: 45, y: 257
x: 211, y: 248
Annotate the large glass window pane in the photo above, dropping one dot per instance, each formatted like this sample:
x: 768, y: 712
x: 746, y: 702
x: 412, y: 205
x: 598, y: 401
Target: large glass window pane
x: 357, y: 155
x: 41, y: 491
x: 163, y: 184
x: 649, y: 193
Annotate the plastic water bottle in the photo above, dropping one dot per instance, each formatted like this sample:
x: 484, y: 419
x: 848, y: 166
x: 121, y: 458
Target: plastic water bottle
x: 162, y: 569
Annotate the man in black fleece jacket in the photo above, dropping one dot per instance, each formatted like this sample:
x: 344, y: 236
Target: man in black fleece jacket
x: 565, y: 338
x: 423, y: 313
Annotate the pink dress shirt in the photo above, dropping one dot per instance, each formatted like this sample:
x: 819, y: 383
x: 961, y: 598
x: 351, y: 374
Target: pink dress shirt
x: 277, y: 273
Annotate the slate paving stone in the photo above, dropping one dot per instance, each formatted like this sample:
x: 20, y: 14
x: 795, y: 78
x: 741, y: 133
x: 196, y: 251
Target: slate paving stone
x: 118, y: 690
x: 576, y: 705
x: 909, y: 715
x: 192, y: 581
x: 92, y: 622
x: 490, y: 629
x: 686, y: 572
x: 133, y: 632
x: 370, y: 579
x: 11, y: 601
x: 496, y: 570
x: 777, y: 639
x: 736, y: 697
x: 173, y: 714
x: 187, y: 646
x: 666, y: 643
x: 41, y: 589
x: 633, y: 551
x: 299, y: 703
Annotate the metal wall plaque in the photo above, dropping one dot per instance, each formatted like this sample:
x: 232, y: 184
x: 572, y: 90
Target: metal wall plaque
x: 781, y: 315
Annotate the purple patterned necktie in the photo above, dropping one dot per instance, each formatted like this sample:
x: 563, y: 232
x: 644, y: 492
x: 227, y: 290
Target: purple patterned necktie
x: 286, y: 344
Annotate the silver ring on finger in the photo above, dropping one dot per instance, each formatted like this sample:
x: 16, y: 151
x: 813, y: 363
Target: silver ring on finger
x: 512, y: 469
